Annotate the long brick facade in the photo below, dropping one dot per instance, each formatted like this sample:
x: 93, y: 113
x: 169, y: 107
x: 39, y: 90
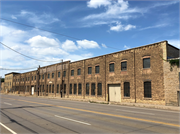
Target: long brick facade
x: 93, y: 78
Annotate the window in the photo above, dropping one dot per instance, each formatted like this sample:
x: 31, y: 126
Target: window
x: 75, y: 88
x: 79, y: 89
x: 43, y: 76
x: 89, y: 70
x: 111, y: 67
x: 96, y: 69
x: 59, y: 74
x: 49, y: 88
x: 93, y: 87
x: 35, y: 77
x: 147, y: 89
x: 126, y: 89
x: 64, y: 88
x: 48, y: 76
x: 99, y: 89
x: 53, y: 88
x: 23, y: 79
x: 57, y: 91
x: 79, y: 71
x: 124, y: 65
x: 87, y: 88
x: 39, y: 76
x: 72, y: 72
x: 28, y: 78
x: 64, y: 73
x: 52, y: 75
x: 146, y: 63
x: 70, y: 91
x: 32, y: 77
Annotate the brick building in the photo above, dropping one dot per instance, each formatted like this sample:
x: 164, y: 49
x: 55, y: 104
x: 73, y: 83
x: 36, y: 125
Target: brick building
x: 8, y: 84
x: 133, y: 75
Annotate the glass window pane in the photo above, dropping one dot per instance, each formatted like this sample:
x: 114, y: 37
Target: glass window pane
x: 146, y: 63
x: 124, y: 65
x: 126, y: 89
x: 87, y: 88
x: 89, y: 70
x: 99, y: 89
x: 93, y: 87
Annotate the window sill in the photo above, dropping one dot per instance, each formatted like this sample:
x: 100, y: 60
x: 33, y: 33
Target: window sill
x: 126, y: 97
x: 147, y: 98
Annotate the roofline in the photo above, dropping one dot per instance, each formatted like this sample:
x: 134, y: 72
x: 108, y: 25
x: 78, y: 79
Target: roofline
x: 12, y: 73
x: 123, y: 50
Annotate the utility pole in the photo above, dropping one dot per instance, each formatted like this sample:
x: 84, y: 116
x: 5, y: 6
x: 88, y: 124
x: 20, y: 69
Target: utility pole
x: 38, y: 76
x: 62, y: 80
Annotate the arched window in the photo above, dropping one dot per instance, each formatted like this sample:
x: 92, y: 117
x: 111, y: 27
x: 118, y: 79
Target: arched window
x: 147, y: 89
x: 126, y: 89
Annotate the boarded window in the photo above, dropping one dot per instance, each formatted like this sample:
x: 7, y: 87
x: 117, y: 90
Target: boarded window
x: 70, y: 89
x: 89, y: 70
x: 99, y: 89
x: 111, y: 67
x: 93, y: 88
x: 87, y: 88
x: 147, y: 89
x: 75, y: 88
x: 146, y: 63
x: 79, y: 89
x: 126, y: 89
x: 79, y: 71
x: 72, y: 72
x: 124, y: 65
x: 97, y: 69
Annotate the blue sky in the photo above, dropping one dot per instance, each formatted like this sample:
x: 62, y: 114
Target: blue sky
x: 98, y: 25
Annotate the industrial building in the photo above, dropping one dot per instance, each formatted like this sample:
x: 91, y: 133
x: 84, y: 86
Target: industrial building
x: 141, y: 75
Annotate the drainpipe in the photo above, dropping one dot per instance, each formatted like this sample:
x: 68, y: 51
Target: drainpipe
x: 134, y: 77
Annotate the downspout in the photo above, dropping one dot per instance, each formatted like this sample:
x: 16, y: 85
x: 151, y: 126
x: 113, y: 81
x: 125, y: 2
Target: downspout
x: 134, y: 77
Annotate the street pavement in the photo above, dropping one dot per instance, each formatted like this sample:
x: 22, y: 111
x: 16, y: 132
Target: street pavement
x: 21, y: 114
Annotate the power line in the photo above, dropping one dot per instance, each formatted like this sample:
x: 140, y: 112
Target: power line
x: 53, y: 32
x: 26, y: 55
x: 17, y: 68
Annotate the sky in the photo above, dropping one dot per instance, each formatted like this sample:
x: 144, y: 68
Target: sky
x: 85, y: 29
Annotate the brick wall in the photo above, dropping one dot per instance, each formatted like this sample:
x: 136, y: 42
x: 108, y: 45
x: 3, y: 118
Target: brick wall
x: 171, y: 83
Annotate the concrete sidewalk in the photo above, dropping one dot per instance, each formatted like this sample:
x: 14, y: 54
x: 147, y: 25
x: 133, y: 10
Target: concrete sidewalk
x: 175, y: 108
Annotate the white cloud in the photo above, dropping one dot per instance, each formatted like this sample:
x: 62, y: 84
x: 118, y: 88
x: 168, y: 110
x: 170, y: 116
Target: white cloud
x: 35, y: 18
x: 104, y: 45
x: 115, y: 10
x: 119, y: 27
x: 69, y: 45
x: 98, y: 3
x: 39, y: 41
x: 175, y: 42
x: 155, y: 26
x: 87, y: 44
x: 126, y: 47
x: 13, y: 17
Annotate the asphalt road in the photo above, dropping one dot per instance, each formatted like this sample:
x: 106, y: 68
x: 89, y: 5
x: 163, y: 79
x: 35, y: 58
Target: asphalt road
x: 42, y: 115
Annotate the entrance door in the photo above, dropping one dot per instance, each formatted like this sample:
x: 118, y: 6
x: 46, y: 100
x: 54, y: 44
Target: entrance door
x: 115, y: 92
x: 32, y: 90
